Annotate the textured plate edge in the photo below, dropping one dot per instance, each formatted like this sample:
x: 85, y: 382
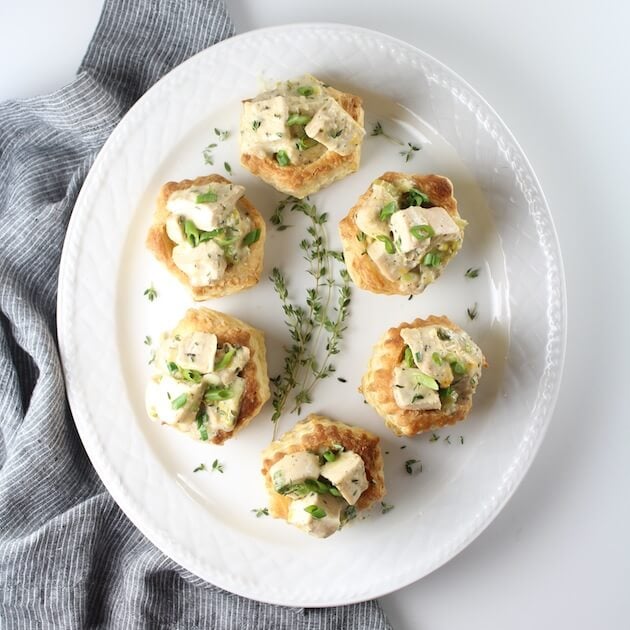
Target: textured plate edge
x: 525, y: 458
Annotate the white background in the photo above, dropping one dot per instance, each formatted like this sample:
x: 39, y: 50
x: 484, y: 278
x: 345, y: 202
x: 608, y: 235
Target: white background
x: 558, y: 73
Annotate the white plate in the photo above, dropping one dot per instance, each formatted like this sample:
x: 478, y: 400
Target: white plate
x: 204, y: 520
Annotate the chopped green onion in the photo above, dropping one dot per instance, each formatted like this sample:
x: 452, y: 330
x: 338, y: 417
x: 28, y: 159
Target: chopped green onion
x: 192, y: 376
x: 458, y: 368
x: 251, y: 237
x: 282, y: 158
x: 422, y: 232
x: 437, y: 359
x: 334, y: 492
x: 304, y: 143
x: 180, y: 401
x: 225, y: 360
x: 427, y: 381
x: 191, y: 232
x: 431, y: 259
x: 172, y: 367
x: 417, y: 197
x: 315, y: 511
x: 305, y: 90
x: 409, y: 357
x: 202, y: 421
x: 443, y: 335
x: 297, y: 119
x: 329, y: 456
x: 387, y: 242
x: 218, y: 393
x: 206, y: 236
x: 387, y: 211
x: 207, y: 197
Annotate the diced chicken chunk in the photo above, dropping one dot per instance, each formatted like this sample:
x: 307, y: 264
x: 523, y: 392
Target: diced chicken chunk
x: 316, y: 514
x: 429, y: 353
x: 174, y: 229
x: 402, y: 224
x: 367, y: 217
x: 239, y: 360
x: 333, y: 127
x: 203, y: 264
x: 392, y: 266
x: 410, y: 394
x: 444, y: 227
x: 294, y: 468
x: 206, y: 215
x: 347, y: 473
x: 262, y: 122
x: 223, y: 414
x: 197, y: 351
x: 171, y: 400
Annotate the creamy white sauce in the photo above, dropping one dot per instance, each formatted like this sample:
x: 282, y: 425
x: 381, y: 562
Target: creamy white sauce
x: 322, y: 527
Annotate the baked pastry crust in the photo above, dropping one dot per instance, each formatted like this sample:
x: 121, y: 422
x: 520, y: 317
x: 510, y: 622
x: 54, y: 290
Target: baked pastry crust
x: 229, y: 329
x: 237, y: 277
x: 377, y: 384
x: 302, y: 180
x: 318, y: 433
x: 362, y: 269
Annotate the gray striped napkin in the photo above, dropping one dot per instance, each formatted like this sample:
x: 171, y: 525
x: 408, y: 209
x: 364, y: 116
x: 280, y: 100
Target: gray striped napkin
x: 69, y: 558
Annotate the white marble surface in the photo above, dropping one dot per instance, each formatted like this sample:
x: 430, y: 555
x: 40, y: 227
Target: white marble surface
x: 557, y: 72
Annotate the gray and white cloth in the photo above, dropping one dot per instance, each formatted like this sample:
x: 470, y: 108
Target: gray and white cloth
x: 69, y: 558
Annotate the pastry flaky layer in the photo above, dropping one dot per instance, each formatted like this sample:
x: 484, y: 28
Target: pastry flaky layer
x: 301, y: 180
x: 377, y: 384
x: 229, y: 329
x: 317, y: 434
x: 242, y: 275
x: 363, y: 270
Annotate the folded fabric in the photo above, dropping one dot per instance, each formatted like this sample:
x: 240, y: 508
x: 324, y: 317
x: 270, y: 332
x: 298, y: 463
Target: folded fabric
x: 69, y: 558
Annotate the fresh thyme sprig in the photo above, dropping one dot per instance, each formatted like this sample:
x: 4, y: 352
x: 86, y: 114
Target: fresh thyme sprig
x: 378, y: 130
x: 324, y: 315
x: 408, y: 153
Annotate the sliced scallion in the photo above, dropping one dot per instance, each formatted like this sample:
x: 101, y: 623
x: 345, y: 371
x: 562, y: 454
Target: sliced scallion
x: 282, y: 158
x: 422, y: 232
x: 315, y: 511
x: 387, y: 211
x: 297, y: 119
x: 191, y: 232
x: 387, y: 243
x: 218, y: 393
x: 427, y: 381
x: 207, y: 197
x: 180, y: 401
x: 251, y: 237
x: 225, y: 360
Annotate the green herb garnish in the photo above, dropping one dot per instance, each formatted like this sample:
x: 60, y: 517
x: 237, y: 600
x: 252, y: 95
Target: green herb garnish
x: 151, y: 293
x: 216, y: 393
x: 202, y: 424
x: 335, y: 134
x: 408, y: 153
x: 200, y: 467
x: 386, y: 507
x: 256, y: 125
x: 378, y: 130
x: 422, y: 232
x: 315, y: 511
x: 261, y: 512
x: 208, y: 156
x: 409, y: 357
x: 147, y: 341
x: 387, y: 243
x: 434, y: 437
x: 427, y: 381
x: 227, y: 167
x: 282, y: 158
x: 432, y: 259
x: 387, y: 211
x: 180, y: 401
x: 458, y: 368
x: 172, y: 367
x: 417, y: 197
x: 191, y: 232
x: 410, y: 463
x: 217, y: 466
x: 329, y: 456
x: 472, y: 311
x: 437, y: 359
x: 472, y: 272
x: 305, y: 90
x: 192, y: 376
x: 297, y: 119
x: 207, y: 197
x: 223, y: 135
x: 316, y: 327
x: 225, y: 360
x: 251, y: 237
